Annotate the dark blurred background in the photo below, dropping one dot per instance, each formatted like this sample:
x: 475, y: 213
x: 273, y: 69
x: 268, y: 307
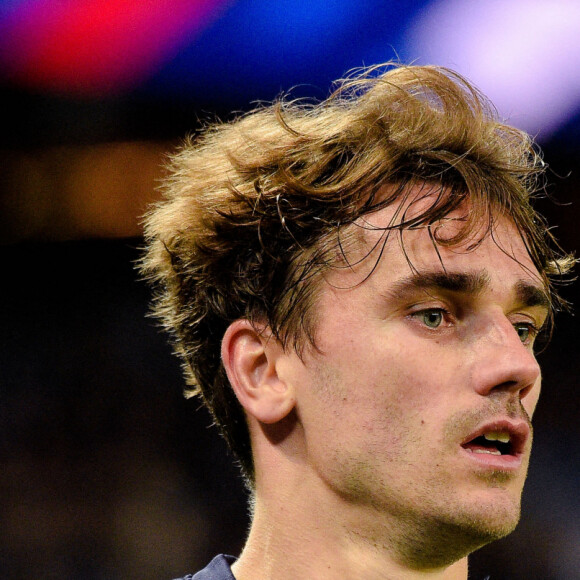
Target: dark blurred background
x: 106, y: 471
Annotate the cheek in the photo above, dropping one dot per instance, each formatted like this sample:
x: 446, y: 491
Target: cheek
x: 381, y: 381
x: 398, y: 399
x: 417, y: 378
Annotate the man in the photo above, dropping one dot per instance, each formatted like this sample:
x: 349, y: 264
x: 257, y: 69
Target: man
x: 356, y: 288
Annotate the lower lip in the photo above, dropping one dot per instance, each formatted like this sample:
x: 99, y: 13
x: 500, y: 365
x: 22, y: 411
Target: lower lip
x: 490, y: 461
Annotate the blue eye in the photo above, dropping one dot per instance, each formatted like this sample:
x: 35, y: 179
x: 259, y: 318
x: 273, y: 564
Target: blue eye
x: 432, y: 318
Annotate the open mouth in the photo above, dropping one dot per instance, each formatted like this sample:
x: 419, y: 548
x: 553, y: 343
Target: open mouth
x: 492, y: 443
x: 504, y: 439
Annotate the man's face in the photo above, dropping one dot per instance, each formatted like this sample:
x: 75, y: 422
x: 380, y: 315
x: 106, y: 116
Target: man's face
x: 417, y: 406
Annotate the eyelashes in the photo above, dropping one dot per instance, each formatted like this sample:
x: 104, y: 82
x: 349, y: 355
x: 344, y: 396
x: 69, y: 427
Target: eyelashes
x: 431, y: 317
x: 437, y: 317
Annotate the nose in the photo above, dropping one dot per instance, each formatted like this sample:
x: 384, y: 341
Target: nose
x: 504, y: 363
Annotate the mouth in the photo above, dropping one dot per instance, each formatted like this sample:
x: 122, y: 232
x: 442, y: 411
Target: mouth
x: 500, y: 444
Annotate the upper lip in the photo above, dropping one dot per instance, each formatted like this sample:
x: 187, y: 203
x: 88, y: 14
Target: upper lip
x: 518, y: 430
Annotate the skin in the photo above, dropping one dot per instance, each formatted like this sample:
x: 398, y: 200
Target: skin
x: 361, y: 469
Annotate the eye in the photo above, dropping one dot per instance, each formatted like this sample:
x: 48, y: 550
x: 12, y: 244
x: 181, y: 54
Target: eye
x: 432, y: 318
x: 526, y: 331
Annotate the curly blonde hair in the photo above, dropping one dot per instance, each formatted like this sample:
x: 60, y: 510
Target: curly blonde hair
x: 254, y: 209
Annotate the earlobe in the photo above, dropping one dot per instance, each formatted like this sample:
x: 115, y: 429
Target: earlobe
x: 250, y: 358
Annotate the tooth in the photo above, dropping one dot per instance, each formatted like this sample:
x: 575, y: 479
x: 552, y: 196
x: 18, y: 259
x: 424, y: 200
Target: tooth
x: 488, y: 451
x: 497, y: 436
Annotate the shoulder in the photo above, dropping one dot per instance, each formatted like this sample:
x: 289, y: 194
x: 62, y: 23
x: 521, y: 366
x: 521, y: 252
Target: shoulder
x: 217, y: 569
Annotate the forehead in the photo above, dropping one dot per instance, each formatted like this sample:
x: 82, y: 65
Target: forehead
x: 494, y: 244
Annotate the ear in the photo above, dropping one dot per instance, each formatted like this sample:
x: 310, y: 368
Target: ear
x: 250, y: 358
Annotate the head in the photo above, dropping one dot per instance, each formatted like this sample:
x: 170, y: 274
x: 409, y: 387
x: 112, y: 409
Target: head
x: 258, y: 211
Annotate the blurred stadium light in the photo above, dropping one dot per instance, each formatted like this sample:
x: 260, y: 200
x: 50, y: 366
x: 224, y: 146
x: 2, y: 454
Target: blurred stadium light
x: 525, y: 55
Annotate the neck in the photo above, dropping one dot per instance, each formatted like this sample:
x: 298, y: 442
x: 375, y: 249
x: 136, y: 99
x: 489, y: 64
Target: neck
x: 312, y: 535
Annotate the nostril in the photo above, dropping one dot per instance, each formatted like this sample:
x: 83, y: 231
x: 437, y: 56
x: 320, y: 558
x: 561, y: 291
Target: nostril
x: 522, y: 388
x: 525, y: 391
x: 511, y: 386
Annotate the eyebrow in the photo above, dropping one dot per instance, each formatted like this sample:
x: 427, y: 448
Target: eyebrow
x: 532, y: 295
x: 472, y: 283
x: 464, y: 282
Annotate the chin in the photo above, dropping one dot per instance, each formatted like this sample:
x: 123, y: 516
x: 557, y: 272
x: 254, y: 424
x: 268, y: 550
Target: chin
x: 486, y: 521
x: 492, y: 512
x: 489, y: 528
x: 468, y: 527
x: 449, y: 542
